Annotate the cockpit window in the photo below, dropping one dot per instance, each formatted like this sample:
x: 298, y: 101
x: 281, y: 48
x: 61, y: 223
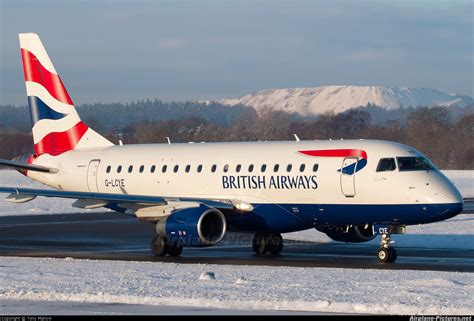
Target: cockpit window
x: 414, y: 164
x: 386, y: 165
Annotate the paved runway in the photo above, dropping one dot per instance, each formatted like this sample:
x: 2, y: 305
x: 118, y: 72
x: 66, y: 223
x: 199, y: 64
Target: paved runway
x: 110, y: 236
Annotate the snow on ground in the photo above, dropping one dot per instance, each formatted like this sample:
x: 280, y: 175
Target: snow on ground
x: 464, y: 181
x: 237, y: 287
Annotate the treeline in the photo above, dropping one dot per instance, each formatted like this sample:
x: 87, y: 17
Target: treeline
x: 448, y: 143
x: 446, y: 140
x: 120, y: 115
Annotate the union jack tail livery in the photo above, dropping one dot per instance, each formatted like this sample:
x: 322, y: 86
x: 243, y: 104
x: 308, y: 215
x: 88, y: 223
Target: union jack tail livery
x: 57, y: 127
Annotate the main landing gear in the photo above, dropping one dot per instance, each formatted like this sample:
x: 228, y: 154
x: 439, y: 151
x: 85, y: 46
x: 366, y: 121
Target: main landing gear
x: 267, y: 243
x: 160, y: 247
x: 386, y: 253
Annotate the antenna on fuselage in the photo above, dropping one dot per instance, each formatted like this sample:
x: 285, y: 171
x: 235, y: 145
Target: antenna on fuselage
x: 120, y: 142
x: 169, y: 141
x: 297, y: 138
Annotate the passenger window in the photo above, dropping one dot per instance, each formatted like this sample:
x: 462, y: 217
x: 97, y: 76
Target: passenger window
x: 199, y: 168
x: 386, y: 165
x: 302, y: 167
x: 119, y: 169
x: 289, y: 167
x: 164, y: 168
x: 188, y: 168
x: 176, y: 168
x: 142, y: 168
x: 152, y: 168
x: 226, y: 168
x: 238, y: 168
x: 315, y: 167
x: 276, y: 168
x: 264, y: 168
x: 251, y: 168
x: 213, y: 168
x: 130, y: 168
x: 108, y: 169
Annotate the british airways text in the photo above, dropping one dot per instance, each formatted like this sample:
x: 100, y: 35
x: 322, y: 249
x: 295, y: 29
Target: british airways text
x: 269, y: 182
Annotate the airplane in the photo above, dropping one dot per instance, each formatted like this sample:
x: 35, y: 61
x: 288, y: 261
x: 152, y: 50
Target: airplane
x: 193, y: 193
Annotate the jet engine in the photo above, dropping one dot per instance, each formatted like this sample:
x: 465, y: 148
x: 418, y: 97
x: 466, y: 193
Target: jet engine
x: 193, y: 226
x: 349, y: 233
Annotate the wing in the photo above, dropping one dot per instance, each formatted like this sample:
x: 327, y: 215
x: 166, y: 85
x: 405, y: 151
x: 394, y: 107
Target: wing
x: 29, y: 167
x: 143, y: 206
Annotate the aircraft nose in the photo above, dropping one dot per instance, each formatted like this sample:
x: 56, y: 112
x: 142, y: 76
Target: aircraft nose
x: 453, y: 194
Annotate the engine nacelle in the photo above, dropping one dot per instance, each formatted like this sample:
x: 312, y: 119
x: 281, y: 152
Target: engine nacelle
x: 194, y: 226
x: 349, y: 233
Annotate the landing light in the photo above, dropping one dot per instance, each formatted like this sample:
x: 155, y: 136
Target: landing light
x: 243, y: 206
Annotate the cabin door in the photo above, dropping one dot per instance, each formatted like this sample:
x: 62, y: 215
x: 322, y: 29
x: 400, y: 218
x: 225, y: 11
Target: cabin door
x: 348, y: 174
x: 92, y: 175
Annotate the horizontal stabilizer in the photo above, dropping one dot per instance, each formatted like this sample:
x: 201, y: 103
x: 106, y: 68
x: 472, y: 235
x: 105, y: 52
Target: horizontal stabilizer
x: 29, y: 167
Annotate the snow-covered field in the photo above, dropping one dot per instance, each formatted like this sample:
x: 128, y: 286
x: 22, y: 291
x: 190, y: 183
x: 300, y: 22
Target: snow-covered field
x: 237, y: 287
x: 245, y: 287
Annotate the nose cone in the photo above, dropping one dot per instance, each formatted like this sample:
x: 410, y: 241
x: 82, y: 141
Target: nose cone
x: 450, y: 197
x: 451, y: 192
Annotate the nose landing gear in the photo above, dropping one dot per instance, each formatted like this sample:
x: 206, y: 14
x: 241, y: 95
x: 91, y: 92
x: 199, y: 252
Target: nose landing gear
x: 386, y: 253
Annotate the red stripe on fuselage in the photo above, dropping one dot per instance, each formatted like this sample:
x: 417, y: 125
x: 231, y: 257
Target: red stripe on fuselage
x: 58, y: 143
x: 335, y: 153
x: 35, y: 72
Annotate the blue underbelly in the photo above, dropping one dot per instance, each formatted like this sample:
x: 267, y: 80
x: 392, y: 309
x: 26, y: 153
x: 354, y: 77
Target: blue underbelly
x: 294, y: 217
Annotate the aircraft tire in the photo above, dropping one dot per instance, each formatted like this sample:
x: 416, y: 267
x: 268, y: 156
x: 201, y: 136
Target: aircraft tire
x: 174, y: 250
x: 275, y: 244
x: 387, y: 255
x: 158, y: 246
x: 392, y: 255
x: 260, y: 243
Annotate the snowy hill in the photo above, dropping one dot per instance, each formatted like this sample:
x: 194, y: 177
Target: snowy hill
x: 319, y: 100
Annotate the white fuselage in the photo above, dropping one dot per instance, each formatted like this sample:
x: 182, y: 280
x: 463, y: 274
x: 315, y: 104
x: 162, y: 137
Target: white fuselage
x: 86, y: 170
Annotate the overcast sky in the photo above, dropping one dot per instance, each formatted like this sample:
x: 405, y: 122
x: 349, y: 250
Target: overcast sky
x: 177, y: 50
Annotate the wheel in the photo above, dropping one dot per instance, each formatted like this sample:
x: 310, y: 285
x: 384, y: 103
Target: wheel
x: 382, y: 254
x: 259, y: 243
x: 392, y: 255
x: 174, y: 250
x: 387, y: 255
x: 158, y: 246
x: 275, y: 244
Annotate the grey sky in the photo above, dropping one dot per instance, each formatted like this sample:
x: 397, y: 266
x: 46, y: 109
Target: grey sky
x: 125, y: 50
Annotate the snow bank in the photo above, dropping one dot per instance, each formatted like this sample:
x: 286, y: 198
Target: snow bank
x: 275, y: 288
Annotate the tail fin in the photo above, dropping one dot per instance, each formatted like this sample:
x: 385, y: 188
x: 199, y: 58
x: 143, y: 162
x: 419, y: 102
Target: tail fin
x: 57, y: 127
